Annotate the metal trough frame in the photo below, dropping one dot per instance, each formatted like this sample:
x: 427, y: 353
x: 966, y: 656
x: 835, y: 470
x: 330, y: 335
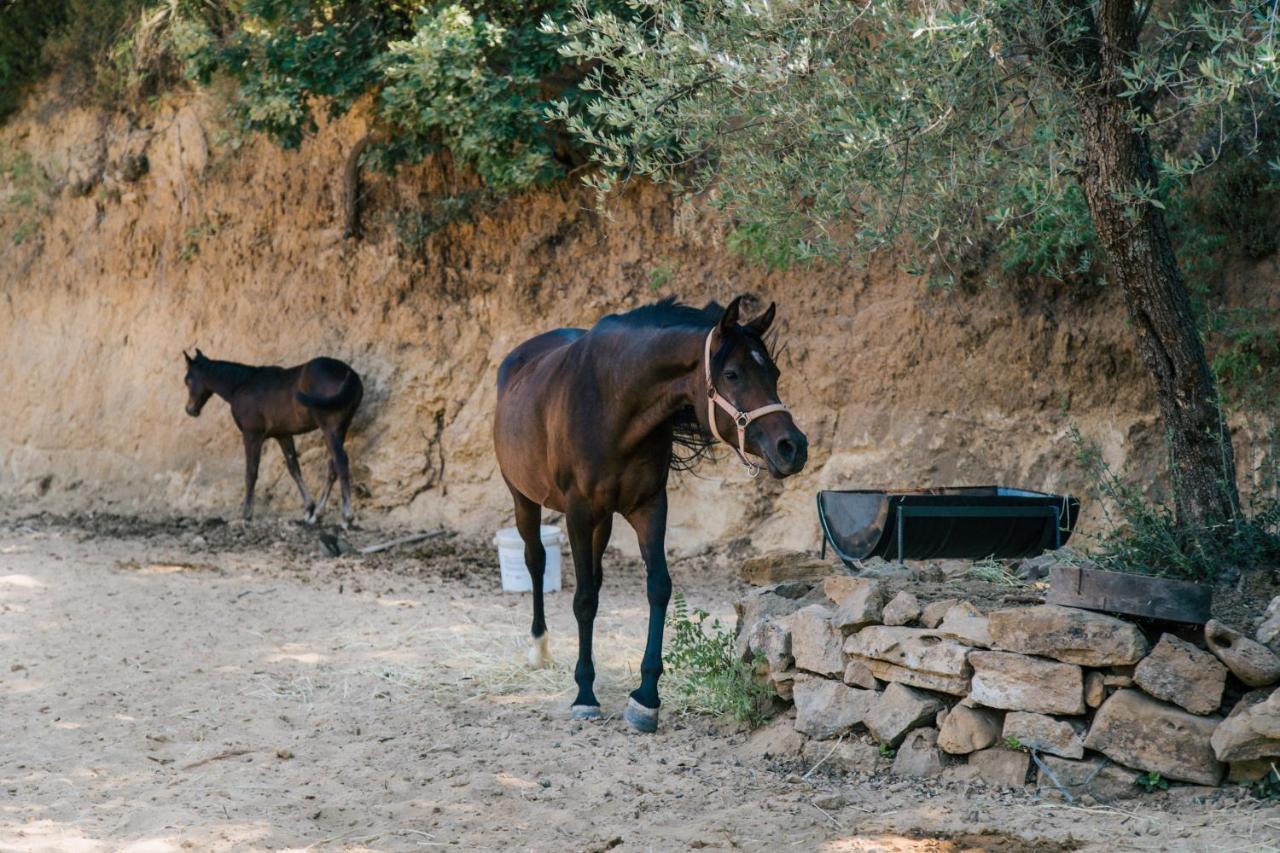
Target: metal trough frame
x: 1059, y: 516
x: 905, y: 512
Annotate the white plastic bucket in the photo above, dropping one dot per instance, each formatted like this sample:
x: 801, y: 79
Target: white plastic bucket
x: 515, y: 574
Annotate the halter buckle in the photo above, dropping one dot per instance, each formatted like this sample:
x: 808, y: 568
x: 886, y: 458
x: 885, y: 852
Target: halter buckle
x: 742, y: 420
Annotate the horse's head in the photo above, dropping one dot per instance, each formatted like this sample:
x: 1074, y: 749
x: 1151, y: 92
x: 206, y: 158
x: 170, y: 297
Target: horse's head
x: 743, y: 372
x: 198, y: 390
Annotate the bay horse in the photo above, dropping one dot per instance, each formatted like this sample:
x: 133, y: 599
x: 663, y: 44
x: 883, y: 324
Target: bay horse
x: 279, y: 403
x: 588, y: 422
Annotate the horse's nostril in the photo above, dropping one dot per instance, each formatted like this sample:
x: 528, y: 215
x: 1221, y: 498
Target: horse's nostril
x: 787, y: 449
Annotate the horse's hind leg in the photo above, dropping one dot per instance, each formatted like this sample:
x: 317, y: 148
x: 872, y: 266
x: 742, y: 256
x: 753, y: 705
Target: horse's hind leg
x: 650, y: 523
x: 333, y: 439
x: 291, y: 462
x: 529, y: 523
x: 252, y: 455
x: 324, y: 495
x: 586, y: 601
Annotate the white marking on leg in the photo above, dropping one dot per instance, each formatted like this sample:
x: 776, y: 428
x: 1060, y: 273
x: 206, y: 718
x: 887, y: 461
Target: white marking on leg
x: 540, y: 651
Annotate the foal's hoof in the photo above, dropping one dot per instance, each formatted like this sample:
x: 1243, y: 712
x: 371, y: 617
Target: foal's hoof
x: 640, y: 718
x: 584, y: 712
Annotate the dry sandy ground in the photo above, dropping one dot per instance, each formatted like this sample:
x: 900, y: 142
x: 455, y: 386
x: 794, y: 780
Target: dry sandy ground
x: 170, y: 686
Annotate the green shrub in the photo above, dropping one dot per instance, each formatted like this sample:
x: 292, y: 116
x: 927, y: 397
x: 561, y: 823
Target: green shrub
x: 703, y: 669
x: 25, y: 25
x: 1144, y: 537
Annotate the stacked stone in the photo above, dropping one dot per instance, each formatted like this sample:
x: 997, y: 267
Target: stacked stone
x: 970, y: 695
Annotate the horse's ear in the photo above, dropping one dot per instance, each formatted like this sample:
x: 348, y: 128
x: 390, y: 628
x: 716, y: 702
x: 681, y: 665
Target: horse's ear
x: 729, y: 318
x: 187, y: 357
x: 761, y: 324
x: 199, y: 355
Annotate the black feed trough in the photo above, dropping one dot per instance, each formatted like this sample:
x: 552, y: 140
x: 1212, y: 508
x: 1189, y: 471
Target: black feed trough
x: 959, y: 522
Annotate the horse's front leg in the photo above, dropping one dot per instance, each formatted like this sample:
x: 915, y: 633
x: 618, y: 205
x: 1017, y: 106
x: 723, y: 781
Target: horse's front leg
x: 586, y: 600
x: 650, y: 524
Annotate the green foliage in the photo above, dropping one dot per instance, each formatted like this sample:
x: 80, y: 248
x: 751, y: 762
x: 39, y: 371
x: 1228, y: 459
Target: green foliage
x: 24, y: 193
x: 1268, y: 787
x: 887, y: 751
x: 25, y: 25
x: 703, y: 669
x: 1011, y: 742
x: 827, y: 130
x: 1151, y: 782
x: 1143, y: 537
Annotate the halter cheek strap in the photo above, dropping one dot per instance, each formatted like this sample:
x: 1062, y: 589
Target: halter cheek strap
x: 741, y: 419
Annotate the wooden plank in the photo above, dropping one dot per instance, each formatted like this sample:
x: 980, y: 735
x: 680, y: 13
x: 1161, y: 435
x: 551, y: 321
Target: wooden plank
x: 1132, y: 595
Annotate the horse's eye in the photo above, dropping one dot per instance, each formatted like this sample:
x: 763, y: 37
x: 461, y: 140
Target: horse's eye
x: 731, y: 375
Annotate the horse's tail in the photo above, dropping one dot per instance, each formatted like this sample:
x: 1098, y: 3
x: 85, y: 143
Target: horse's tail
x: 347, y: 394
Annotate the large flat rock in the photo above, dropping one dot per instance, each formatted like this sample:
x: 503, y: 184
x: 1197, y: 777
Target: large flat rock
x: 1067, y: 634
x: 1251, y: 661
x: 1046, y: 734
x: 1251, y: 730
x: 1020, y: 683
x: 1136, y: 730
x: 826, y: 708
x: 1178, y: 672
x: 898, y: 710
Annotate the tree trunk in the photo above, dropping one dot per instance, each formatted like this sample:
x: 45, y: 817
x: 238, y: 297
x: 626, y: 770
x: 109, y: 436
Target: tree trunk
x: 1117, y: 162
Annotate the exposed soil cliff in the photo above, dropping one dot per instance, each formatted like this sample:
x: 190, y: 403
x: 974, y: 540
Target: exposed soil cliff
x: 240, y: 249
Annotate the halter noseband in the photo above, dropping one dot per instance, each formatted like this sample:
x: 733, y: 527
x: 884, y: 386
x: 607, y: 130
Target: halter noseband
x: 741, y: 419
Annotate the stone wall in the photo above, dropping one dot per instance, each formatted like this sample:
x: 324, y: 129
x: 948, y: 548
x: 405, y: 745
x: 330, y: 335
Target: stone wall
x: 1083, y: 701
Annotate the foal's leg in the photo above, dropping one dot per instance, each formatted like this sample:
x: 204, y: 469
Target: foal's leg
x: 252, y: 455
x: 586, y: 601
x: 333, y: 439
x: 529, y: 523
x: 650, y: 523
x: 324, y: 495
x: 291, y: 462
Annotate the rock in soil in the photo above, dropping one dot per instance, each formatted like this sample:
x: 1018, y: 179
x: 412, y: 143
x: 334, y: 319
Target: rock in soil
x: 849, y: 756
x: 965, y: 730
x: 919, y: 754
x: 1046, y: 734
x: 1004, y: 768
x: 1068, y: 635
x: 1138, y: 731
x: 781, y: 566
x: 1178, y: 672
x: 816, y: 644
x: 1019, y: 683
x: 1095, y: 776
x: 1268, y: 632
x: 859, y: 601
x: 776, y: 739
x: 933, y: 613
x: 902, y: 610
x: 826, y: 708
x: 966, y: 624
x: 1253, y: 663
x: 898, y: 710
x: 1251, y: 730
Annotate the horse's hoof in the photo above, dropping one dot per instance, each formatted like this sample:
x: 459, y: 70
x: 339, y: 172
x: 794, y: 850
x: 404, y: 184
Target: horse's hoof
x: 584, y: 712
x: 539, y: 652
x: 640, y: 718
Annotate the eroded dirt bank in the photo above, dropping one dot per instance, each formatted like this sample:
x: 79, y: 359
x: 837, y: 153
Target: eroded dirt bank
x: 239, y: 249
x: 183, y: 686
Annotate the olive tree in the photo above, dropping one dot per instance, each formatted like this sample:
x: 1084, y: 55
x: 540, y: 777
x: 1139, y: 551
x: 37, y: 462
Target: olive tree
x: 841, y: 127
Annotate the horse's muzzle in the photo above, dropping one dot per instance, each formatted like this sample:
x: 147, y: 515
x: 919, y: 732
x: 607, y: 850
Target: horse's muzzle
x: 787, y: 454
x: 193, y: 410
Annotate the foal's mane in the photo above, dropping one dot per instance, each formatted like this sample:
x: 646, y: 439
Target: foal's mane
x: 229, y: 373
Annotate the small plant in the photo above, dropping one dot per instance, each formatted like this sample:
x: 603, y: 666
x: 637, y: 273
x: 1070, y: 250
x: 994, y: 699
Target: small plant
x: 1011, y: 742
x: 993, y: 571
x: 1152, y: 782
x: 704, y: 668
x: 659, y: 277
x: 1268, y: 787
x: 887, y: 751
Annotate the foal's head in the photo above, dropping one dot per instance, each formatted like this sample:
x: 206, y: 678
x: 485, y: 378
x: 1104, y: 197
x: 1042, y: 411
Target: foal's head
x: 743, y: 371
x: 198, y: 390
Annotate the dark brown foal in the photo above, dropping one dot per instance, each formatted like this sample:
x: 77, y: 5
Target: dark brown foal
x: 587, y: 423
x: 279, y: 403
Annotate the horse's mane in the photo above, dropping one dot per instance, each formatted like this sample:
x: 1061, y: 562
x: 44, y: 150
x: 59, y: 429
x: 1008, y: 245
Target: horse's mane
x: 230, y: 374
x: 690, y: 442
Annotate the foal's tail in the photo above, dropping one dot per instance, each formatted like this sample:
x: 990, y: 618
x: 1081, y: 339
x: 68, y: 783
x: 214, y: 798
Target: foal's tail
x: 348, y: 393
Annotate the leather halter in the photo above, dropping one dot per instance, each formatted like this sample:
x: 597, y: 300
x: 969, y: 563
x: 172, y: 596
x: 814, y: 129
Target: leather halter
x: 741, y: 419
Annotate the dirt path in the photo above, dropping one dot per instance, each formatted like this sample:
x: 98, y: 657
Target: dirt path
x: 164, y: 689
